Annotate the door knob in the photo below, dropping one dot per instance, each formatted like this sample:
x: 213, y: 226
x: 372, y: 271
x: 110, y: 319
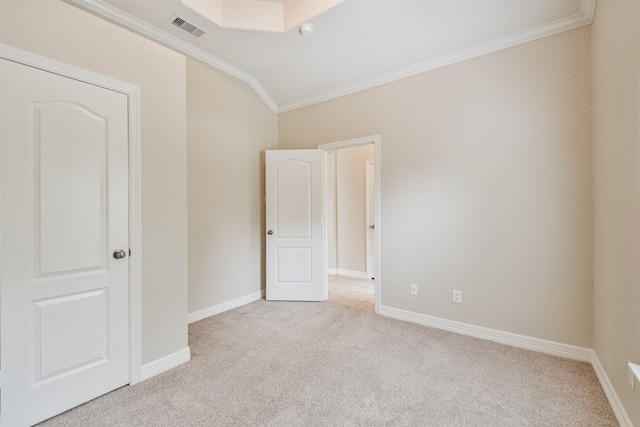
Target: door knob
x: 119, y: 254
x: 270, y: 232
x: 372, y: 226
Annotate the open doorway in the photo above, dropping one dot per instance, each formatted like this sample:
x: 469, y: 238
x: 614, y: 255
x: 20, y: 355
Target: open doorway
x: 351, y: 216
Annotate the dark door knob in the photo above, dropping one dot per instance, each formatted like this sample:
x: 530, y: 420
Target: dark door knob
x: 119, y: 254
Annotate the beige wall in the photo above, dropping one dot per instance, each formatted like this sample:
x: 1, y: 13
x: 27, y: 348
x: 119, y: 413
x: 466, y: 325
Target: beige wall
x: 351, y: 234
x: 229, y: 127
x: 615, y: 35
x: 63, y: 32
x: 486, y: 185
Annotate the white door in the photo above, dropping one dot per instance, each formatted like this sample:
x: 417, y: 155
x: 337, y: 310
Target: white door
x: 295, y: 253
x: 64, y: 296
x: 370, y: 216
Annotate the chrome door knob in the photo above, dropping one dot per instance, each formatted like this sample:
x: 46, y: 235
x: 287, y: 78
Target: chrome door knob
x: 372, y: 226
x: 119, y: 254
x: 270, y: 232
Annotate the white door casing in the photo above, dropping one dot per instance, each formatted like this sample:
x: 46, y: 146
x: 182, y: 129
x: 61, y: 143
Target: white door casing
x: 294, y: 241
x: 64, y: 297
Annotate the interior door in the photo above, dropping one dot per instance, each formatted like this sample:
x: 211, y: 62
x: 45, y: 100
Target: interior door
x: 370, y: 215
x: 295, y: 252
x: 64, y: 250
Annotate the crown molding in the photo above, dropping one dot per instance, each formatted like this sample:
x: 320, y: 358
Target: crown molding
x: 114, y: 14
x: 587, y: 8
x: 584, y: 17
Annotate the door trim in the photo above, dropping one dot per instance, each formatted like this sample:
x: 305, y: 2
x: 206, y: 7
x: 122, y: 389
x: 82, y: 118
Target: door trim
x: 135, y: 206
x: 376, y: 140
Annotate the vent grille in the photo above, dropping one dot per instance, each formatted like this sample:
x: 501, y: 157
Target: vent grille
x: 186, y: 26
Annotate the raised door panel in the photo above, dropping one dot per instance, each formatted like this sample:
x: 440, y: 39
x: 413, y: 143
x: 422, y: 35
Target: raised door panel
x: 60, y: 325
x: 71, y: 156
x: 294, y: 266
x: 293, y: 199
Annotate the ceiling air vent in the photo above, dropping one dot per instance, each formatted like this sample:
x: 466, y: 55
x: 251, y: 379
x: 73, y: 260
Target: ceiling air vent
x: 184, y: 25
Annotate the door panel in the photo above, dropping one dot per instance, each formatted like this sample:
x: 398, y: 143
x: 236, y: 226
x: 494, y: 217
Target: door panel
x: 294, y: 265
x: 294, y: 217
x: 293, y: 199
x: 64, y: 302
x: 64, y: 321
x: 70, y: 147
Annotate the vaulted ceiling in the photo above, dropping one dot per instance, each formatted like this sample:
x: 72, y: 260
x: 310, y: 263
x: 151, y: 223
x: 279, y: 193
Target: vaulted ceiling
x: 355, y: 44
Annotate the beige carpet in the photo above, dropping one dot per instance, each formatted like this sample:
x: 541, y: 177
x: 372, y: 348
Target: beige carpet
x: 322, y: 364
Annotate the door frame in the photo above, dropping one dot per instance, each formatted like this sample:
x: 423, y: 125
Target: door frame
x: 135, y: 206
x: 376, y: 140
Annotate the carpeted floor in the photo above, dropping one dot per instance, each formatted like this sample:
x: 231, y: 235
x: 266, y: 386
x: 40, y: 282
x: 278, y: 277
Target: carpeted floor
x: 323, y: 364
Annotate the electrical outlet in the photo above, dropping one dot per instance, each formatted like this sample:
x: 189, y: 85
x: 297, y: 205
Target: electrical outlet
x: 630, y: 376
x: 414, y: 289
x: 457, y: 296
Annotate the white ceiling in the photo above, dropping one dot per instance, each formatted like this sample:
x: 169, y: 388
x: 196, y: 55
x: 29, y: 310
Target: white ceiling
x: 356, y: 44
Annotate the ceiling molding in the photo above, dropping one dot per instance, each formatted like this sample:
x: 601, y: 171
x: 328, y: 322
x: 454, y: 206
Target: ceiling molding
x: 136, y: 24
x: 587, y: 8
x: 584, y: 17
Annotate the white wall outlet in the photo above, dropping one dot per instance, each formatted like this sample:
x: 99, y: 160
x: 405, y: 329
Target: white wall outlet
x: 414, y: 289
x: 457, y: 296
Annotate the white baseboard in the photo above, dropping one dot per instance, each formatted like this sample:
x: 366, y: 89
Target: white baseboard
x: 176, y: 359
x: 332, y: 271
x: 166, y: 363
x: 352, y: 273
x: 521, y: 341
x: 514, y: 340
x: 225, y: 306
x: 614, y: 400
